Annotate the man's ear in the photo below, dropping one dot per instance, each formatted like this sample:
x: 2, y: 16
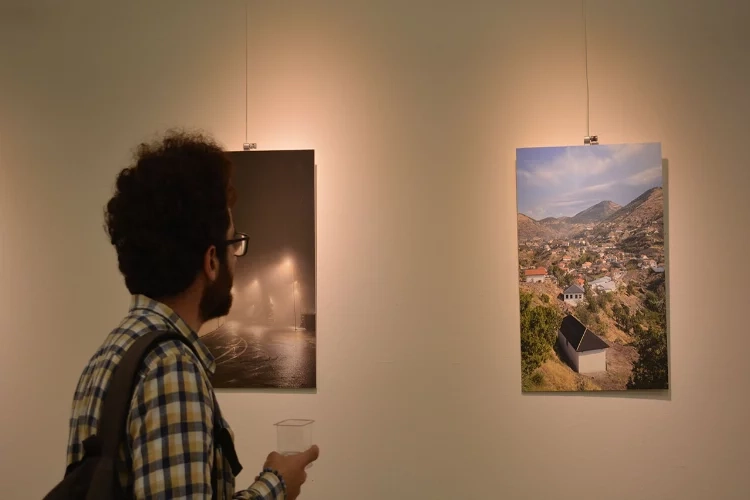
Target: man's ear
x: 211, y: 263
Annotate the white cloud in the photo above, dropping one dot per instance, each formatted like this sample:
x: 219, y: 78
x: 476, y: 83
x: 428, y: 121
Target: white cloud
x: 579, y: 163
x: 645, y: 177
x: 536, y: 213
x: 525, y: 174
x: 560, y: 207
x: 597, y: 188
x: 571, y: 203
x: 579, y: 177
x: 623, y: 152
x: 583, y: 195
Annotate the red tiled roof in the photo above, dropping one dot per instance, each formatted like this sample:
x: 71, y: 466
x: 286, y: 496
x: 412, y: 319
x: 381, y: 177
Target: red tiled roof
x: 540, y: 271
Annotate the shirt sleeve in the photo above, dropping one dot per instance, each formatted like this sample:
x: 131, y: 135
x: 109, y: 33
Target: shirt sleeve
x: 267, y: 487
x: 171, y: 436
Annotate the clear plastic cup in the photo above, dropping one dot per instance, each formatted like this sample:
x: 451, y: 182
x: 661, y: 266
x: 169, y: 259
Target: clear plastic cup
x: 294, y: 436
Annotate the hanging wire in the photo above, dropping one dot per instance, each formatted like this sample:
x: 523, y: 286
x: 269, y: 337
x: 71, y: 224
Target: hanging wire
x: 246, y: 23
x: 586, y: 52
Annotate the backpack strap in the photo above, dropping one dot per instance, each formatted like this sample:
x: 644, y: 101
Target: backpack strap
x: 117, y: 400
x: 223, y: 439
x: 116, y: 405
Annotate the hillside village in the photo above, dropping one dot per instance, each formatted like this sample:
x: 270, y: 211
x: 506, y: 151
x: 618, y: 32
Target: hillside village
x: 605, y: 267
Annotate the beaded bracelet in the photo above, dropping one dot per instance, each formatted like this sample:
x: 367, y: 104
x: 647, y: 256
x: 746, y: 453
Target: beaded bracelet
x: 277, y: 474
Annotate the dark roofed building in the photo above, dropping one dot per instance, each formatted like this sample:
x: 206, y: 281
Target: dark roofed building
x: 585, y: 350
x: 573, y: 295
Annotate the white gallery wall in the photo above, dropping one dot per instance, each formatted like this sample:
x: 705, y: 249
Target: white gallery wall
x: 415, y: 110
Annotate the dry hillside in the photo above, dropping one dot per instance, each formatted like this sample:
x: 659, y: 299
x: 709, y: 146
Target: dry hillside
x: 528, y: 229
x: 554, y: 375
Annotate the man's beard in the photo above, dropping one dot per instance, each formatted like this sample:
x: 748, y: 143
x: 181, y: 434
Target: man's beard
x: 217, y: 297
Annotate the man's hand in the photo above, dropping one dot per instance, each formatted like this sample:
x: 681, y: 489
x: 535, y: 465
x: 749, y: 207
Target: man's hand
x: 292, y: 469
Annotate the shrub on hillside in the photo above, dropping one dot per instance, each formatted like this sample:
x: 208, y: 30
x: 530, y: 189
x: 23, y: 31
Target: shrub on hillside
x: 539, y: 326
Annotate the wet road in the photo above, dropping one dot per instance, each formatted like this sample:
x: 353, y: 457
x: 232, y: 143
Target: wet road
x: 252, y: 356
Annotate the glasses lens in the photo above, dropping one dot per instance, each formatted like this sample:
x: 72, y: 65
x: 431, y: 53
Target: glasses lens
x: 240, y: 247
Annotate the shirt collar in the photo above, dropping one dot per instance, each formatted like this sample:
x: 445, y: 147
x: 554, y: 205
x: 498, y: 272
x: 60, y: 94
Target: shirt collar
x: 144, y: 305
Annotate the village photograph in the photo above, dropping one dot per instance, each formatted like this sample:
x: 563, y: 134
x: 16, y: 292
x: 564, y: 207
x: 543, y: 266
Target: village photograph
x: 592, y: 268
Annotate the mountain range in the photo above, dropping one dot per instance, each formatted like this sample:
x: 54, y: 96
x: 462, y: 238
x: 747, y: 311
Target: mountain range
x: 597, y: 213
x: 606, y: 216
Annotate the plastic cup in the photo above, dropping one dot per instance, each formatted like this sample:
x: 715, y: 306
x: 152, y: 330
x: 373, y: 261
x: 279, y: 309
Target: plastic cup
x: 294, y: 436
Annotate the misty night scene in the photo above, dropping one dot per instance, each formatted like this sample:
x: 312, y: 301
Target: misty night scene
x: 268, y: 339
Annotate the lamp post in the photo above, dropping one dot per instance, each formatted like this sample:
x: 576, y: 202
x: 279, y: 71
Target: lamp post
x: 290, y: 263
x: 294, y: 298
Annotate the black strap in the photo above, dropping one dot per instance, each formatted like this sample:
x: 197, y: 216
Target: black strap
x: 116, y: 403
x: 223, y: 439
x: 117, y: 400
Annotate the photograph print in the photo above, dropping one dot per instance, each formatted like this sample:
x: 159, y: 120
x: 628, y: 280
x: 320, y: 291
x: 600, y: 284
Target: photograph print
x: 592, y: 268
x: 268, y: 339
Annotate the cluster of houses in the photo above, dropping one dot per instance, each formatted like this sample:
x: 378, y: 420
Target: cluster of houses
x: 647, y: 263
x: 604, y: 260
x: 574, y: 294
x: 607, y: 255
x: 585, y: 351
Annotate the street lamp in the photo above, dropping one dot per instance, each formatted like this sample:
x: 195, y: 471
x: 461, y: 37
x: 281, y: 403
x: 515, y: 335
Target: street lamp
x: 253, y: 286
x: 290, y: 263
x: 294, y: 298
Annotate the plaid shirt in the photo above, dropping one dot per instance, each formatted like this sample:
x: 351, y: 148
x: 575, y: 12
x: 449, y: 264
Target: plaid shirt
x: 169, y: 450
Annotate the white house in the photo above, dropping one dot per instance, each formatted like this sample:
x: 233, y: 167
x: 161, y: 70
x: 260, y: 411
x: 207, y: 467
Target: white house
x: 573, y: 295
x: 538, y: 275
x: 585, y: 350
x: 604, y: 284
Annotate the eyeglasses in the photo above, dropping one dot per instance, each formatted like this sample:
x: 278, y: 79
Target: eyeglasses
x: 239, y: 244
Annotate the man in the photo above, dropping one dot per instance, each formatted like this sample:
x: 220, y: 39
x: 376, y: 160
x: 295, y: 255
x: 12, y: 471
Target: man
x: 170, y: 222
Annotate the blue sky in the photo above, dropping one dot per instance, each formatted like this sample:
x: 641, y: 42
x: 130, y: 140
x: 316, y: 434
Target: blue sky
x: 558, y: 181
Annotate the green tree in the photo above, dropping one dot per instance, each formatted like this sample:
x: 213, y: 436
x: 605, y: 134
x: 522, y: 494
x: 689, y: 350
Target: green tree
x: 650, y: 371
x: 583, y: 313
x: 556, y: 272
x: 585, y: 257
x: 621, y: 315
x: 591, y: 301
x: 539, y: 326
x: 526, y: 299
x: 656, y: 300
x: 617, y: 312
x: 564, y: 279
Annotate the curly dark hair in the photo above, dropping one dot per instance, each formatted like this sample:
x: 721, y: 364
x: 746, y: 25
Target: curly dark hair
x: 168, y: 208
